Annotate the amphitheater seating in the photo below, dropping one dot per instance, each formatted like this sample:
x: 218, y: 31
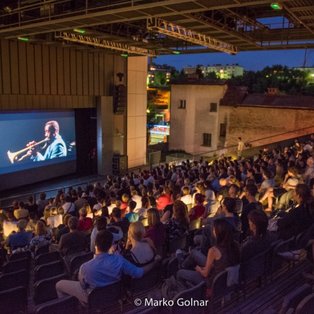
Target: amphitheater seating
x: 47, y: 258
x: 48, y: 270
x: 64, y: 305
x: 13, y: 301
x: 101, y: 298
x: 15, y: 279
x: 45, y: 290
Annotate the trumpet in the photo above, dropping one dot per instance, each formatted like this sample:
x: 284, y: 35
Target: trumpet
x: 13, y: 155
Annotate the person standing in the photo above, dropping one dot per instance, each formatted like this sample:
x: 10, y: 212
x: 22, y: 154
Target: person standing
x: 240, y: 147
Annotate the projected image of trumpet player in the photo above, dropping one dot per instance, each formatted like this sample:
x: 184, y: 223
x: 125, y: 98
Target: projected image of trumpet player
x: 52, y: 146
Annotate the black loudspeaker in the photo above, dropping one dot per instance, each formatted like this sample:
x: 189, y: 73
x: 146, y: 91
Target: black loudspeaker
x: 119, y: 99
x: 119, y: 164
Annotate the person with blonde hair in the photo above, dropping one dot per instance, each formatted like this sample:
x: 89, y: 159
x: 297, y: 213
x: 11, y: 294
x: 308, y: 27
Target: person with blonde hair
x: 55, y: 218
x: 140, y: 251
x: 42, y: 236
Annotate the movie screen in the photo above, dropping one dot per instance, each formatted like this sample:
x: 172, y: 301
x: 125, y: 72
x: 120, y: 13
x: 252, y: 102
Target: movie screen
x: 36, y: 139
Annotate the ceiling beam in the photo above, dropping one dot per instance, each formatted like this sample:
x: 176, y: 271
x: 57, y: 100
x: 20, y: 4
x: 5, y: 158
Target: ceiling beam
x: 296, y: 17
x: 179, y: 32
x: 206, y: 21
x: 102, y: 43
x: 302, y: 8
x: 103, y: 15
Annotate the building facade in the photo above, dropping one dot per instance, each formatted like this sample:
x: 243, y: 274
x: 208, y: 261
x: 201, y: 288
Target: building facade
x: 195, y: 116
x: 223, y: 72
x: 208, y: 119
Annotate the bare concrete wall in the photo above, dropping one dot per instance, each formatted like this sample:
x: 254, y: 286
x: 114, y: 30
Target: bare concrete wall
x: 265, y: 125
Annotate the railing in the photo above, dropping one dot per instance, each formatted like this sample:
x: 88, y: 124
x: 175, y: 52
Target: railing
x: 254, y: 144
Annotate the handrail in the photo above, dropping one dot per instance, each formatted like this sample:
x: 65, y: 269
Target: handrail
x: 257, y: 140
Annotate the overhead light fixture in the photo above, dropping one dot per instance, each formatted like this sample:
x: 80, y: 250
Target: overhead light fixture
x: 176, y: 52
x: 107, y: 44
x: 79, y: 30
x: 25, y: 39
x: 276, y: 6
x: 179, y: 32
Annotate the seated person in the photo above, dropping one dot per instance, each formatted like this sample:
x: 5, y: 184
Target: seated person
x: 63, y: 228
x: 73, y: 242
x: 142, y: 211
x: 55, y: 218
x: 225, y: 211
x: 223, y: 254
x: 21, y: 212
x: 100, y: 224
x: 117, y: 221
x: 284, y: 191
x: 140, y: 251
x: 300, y: 217
x: 250, y: 204
x: 260, y: 239
x: 42, y: 236
x: 167, y: 214
x: 85, y: 223
x: 186, y: 197
x: 103, y: 270
x: 198, y: 210
x: 131, y: 216
x: 178, y: 224
x: 156, y: 230
x: 20, y: 239
x: 9, y: 223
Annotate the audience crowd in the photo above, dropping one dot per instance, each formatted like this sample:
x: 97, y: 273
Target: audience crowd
x: 224, y: 211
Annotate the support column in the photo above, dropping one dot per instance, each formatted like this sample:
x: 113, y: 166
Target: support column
x: 136, y: 111
x: 105, y: 136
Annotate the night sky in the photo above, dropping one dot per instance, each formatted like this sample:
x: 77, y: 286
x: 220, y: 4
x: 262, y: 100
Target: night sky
x: 249, y: 60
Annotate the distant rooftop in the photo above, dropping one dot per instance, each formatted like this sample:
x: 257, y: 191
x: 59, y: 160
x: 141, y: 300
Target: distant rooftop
x: 279, y: 101
x: 239, y: 97
x: 197, y: 81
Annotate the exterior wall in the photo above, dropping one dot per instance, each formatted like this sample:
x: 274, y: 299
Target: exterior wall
x: 136, y: 113
x: 265, y: 125
x: 38, y: 76
x: 188, y: 125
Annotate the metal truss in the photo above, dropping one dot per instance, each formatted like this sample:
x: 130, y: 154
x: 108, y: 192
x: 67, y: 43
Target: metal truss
x: 179, y: 32
x: 102, y: 43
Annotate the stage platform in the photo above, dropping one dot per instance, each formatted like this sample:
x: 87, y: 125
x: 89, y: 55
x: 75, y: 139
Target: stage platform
x: 50, y: 187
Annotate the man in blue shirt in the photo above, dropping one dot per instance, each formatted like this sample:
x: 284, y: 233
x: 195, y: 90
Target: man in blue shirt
x: 20, y: 239
x: 103, y: 270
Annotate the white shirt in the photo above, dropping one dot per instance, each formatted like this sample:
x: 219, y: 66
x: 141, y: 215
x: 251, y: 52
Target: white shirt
x: 187, y: 199
x: 54, y: 221
x: 138, y: 200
